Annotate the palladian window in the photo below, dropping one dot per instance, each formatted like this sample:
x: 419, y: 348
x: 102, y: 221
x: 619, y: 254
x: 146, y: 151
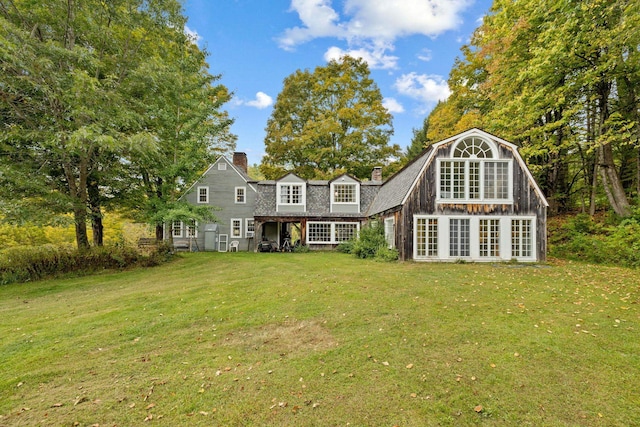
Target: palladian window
x: 474, y: 174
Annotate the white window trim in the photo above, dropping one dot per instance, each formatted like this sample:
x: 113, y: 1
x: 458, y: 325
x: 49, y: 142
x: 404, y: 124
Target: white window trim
x: 474, y: 238
x: 303, y: 194
x: 356, y: 193
x: 390, y: 231
x: 466, y: 199
x: 178, y: 232
x: 439, y: 238
x: 222, y: 166
x: 232, y: 228
x: 206, y: 194
x: 195, y: 230
x: 247, y: 233
x: 244, y: 189
x: 333, y: 240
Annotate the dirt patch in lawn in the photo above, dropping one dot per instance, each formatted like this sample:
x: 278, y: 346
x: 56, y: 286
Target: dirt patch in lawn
x: 293, y: 336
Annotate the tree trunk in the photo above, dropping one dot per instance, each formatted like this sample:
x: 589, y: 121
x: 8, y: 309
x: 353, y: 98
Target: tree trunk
x: 610, y: 178
x: 96, y: 212
x: 612, y: 184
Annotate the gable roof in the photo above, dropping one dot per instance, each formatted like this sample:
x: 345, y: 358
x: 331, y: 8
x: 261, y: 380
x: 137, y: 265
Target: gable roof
x: 238, y: 170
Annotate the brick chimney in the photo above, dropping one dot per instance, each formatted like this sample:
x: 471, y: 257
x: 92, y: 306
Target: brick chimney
x: 376, y: 174
x: 240, y: 161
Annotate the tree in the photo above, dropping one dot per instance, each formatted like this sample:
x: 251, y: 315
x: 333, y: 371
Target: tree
x: 328, y: 122
x: 78, y: 123
x: 419, y: 141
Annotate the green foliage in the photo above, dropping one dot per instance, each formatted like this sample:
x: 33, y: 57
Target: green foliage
x: 370, y: 243
x: 24, y: 264
x: 103, y: 103
x: 582, y: 238
x: 327, y: 122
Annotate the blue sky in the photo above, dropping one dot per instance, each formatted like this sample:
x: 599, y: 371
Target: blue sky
x: 410, y: 46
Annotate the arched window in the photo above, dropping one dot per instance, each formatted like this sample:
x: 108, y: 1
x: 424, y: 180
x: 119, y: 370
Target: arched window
x: 473, y: 148
x: 474, y: 174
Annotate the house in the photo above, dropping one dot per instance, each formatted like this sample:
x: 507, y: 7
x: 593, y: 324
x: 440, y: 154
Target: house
x: 470, y: 197
x: 226, y: 186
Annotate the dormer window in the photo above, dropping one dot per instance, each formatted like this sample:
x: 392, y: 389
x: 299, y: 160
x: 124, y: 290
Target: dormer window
x: 291, y: 194
x: 475, y: 174
x: 344, y: 193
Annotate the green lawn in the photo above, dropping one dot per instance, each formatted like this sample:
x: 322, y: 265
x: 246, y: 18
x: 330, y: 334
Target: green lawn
x: 323, y: 339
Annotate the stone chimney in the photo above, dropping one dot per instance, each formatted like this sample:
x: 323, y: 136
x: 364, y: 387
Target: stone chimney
x: 240, y: 161
x: 376, y: 174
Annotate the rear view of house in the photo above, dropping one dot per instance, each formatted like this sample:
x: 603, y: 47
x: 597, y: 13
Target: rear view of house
x: 470, y: 197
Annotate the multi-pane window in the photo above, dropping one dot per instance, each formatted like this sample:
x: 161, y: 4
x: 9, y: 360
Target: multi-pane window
x: 472, y: 174
x: 331, y: 232
x: 191, y: 228
x: 489, y: 237
x: 426, y: 237
x: 236, y: 228
x: 241, y: 194
x: 496, y: 180
x: 222, y: 166
x: 176, y: 229
x: 344, y: 193
x: 203, y: 194
x: 459, y: 243
x: 319, y: 232
x: 521, y: 238
x: 291, y: 194
x: 250, y: 227
x: 344, y: 231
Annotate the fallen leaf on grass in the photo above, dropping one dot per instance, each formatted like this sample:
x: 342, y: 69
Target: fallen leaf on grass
x: 478, y: 408
x: 56, y: 405
x: 385, y: 363
x: 410, y: 365
x: 150, y: 405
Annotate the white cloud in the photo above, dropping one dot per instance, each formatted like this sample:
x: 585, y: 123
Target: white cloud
x: 262, y: 101
x: 392, y: 105
x: 427, y: 89
x: 372, y: 21
x: 375, y: 58
x: 318, y: 19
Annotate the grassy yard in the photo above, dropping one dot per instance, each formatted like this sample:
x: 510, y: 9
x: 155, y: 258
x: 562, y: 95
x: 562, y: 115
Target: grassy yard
x: 323, y: 340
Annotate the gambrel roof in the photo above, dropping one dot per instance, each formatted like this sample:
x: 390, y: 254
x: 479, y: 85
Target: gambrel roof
x: 395, y: 191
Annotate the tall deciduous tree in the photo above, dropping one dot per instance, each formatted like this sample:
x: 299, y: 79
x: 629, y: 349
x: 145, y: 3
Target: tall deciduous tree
x: 327, y: 122
x: 78, y: 122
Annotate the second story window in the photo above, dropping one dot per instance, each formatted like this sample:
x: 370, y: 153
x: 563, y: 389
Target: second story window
x: 203, y: 194
x: 241, y: 194
x: 291, y: 194
x: 474, y: 174
x: 344, y: 193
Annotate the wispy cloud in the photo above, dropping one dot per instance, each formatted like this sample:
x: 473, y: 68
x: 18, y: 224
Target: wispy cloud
x: 192, y: 34
x: 426, y: 89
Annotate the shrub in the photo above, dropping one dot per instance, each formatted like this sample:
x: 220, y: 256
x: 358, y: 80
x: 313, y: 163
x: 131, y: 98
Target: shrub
x: 583, y: 239
x: 371, y: 243
x: 22, y: 264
